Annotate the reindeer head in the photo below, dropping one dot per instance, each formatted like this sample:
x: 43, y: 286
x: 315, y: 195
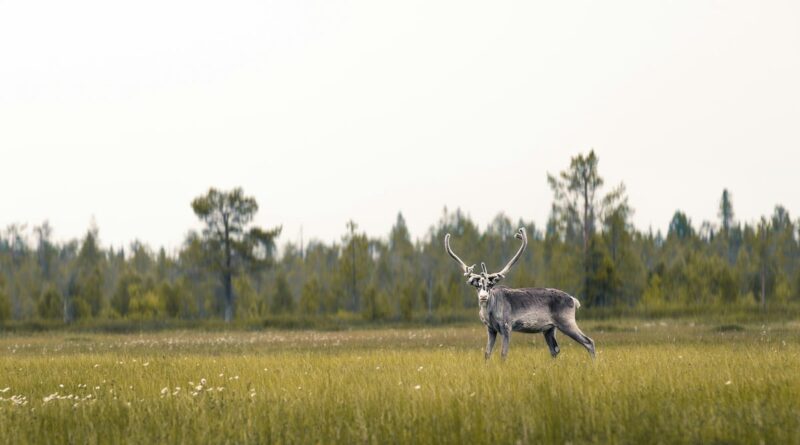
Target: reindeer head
x: 484, y: 281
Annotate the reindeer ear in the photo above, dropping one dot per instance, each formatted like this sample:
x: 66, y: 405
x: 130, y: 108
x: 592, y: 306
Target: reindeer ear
x: 474, y: 280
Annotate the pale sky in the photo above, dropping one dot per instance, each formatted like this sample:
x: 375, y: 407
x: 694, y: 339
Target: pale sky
x: 332, y: 110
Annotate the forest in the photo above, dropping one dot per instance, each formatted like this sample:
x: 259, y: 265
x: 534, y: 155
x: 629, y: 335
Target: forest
x: 232, y: 270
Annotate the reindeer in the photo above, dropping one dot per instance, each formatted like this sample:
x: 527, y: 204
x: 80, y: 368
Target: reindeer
x: 529, y: 310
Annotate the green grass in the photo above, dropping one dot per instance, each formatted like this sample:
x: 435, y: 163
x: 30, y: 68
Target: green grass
x: 653, y: 382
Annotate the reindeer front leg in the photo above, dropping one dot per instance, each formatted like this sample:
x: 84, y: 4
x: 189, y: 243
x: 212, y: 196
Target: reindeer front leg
x: 492, y: 336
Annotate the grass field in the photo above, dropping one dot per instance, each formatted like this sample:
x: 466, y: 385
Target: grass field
x: 652, y: 382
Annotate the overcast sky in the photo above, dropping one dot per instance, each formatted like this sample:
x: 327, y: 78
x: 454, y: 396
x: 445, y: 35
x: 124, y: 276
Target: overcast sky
x: 332, y: 110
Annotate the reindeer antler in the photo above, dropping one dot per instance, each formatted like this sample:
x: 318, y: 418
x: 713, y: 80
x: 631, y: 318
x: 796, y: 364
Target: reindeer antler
x: 467, y: 269
x: 519, y: 235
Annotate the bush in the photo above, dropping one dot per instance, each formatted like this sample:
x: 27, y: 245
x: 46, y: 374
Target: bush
x: 81, y: 308
x: 145, y: 305
x: 375, y: 305
x: 50, y: 305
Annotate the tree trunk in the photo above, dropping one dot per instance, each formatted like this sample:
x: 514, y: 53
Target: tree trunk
x: 227, y: 272
x: 355, y: 293
x: 586, y: 258
x: 430, y: 294
x: 66, y: 309
x: 764, y: 257
x: 585, y: 217
x: 228, y: 283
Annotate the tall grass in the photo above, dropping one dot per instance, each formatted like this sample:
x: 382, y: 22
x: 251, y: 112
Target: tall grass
x: 653, y: 382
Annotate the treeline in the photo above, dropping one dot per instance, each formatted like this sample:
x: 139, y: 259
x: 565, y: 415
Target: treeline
x: 230, y: 270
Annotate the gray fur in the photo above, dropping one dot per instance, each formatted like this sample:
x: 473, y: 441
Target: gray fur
x: 530, y: 310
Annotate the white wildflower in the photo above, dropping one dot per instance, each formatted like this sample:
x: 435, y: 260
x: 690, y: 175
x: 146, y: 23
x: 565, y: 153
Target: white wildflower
x: 418, y: 387
x: 18, y: 400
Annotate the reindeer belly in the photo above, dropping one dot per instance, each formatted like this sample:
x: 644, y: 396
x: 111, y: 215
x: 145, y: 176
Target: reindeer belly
x: 532, y: 322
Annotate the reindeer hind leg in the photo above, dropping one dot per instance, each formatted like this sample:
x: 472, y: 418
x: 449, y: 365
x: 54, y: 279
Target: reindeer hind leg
x: 550, y: 338
x: 572, y: 331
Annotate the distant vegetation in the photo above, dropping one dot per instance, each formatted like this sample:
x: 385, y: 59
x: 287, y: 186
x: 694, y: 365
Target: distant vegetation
x: 230, y: 270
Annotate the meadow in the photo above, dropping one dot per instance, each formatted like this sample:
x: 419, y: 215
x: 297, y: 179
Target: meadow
x: 669, y: 381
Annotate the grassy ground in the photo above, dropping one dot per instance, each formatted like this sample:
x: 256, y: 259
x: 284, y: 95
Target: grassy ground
x: 652, y: 382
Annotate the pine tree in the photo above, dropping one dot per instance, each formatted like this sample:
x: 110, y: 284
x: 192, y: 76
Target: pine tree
x: 49, y: 306
x: 228, y: 239
x: 121, y: 299
x: 375, y: 306
x: 87, y: 297
x: 310, y: 302
x: 680, y: 226
x: 282, y: 301
x: 171, y: 296
x: 726, y: 212
x: 577, y: 203
x: 353, y: 265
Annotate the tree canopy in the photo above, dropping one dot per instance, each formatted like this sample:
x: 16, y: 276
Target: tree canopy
x: 231, y: 268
